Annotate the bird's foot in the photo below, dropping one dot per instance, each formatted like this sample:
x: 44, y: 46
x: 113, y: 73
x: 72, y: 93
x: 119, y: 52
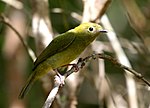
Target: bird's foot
x: 74, y: 66
x: 60, y: 79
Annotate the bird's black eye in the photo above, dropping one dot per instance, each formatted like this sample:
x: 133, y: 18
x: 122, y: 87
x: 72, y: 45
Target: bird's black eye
x: 91, y: 29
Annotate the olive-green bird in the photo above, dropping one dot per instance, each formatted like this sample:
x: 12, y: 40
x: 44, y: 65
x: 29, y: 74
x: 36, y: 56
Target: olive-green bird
x: 62, y: 50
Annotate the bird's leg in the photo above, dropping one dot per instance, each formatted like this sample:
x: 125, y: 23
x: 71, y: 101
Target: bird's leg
x: 61, y: 78
x: 74, y: 66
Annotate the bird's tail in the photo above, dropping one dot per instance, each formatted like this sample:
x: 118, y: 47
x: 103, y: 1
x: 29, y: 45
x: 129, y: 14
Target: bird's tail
x: 27, y: 86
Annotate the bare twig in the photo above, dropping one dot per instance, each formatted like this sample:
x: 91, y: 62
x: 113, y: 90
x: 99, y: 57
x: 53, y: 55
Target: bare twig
x: 59, y: 80
x: 94, y: 9
x: 137, y: 20
x: 15, y: 3
x: 53, y: 92
x: 115, y: 62
x: 131, y: 86
x: 28, y: 49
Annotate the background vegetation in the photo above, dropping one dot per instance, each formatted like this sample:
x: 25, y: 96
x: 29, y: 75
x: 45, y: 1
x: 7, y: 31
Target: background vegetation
x: 98, y: 85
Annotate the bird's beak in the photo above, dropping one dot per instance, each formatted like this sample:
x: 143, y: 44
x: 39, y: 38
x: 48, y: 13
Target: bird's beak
x: 103, y: 31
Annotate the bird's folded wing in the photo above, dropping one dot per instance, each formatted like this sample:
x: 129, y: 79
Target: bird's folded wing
x: 57, y: 45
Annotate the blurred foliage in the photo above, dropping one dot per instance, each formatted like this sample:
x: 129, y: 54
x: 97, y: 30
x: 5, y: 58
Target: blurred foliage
x: 63, y: 21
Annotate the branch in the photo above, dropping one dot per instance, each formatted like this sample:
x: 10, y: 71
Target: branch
x: 122, y: 58
x: 28, y: 49
x: 15, y: 3
x: 59, y: 79
x: 53, y: 92
x: 115, y: 62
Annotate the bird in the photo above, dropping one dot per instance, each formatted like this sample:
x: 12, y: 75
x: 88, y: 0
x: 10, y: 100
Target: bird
x: 62, y: 50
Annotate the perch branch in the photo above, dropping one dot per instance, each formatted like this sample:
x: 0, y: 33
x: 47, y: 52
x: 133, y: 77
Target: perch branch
x: 59, y: 80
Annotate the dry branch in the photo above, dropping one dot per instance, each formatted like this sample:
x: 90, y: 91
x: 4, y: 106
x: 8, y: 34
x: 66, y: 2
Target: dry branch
x: 59, y: 80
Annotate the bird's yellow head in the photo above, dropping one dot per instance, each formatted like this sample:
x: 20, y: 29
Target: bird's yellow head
x: 91, y: 29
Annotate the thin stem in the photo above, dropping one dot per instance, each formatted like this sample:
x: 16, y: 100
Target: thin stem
x: 115, y: 62
x: 80, y: 64
x: 28, y: 49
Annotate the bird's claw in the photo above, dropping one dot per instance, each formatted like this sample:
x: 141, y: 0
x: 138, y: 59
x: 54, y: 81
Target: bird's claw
x: 60, y: 79
x: 75, y: 66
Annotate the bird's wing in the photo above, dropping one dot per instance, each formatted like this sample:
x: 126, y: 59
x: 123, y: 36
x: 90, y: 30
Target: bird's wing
x: 57, y: 45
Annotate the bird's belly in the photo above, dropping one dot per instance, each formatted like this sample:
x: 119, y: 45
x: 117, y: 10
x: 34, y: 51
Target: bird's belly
x: 54, y: 62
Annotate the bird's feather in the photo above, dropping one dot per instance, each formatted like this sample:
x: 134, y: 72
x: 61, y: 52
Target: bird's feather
x: 57, y: 45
